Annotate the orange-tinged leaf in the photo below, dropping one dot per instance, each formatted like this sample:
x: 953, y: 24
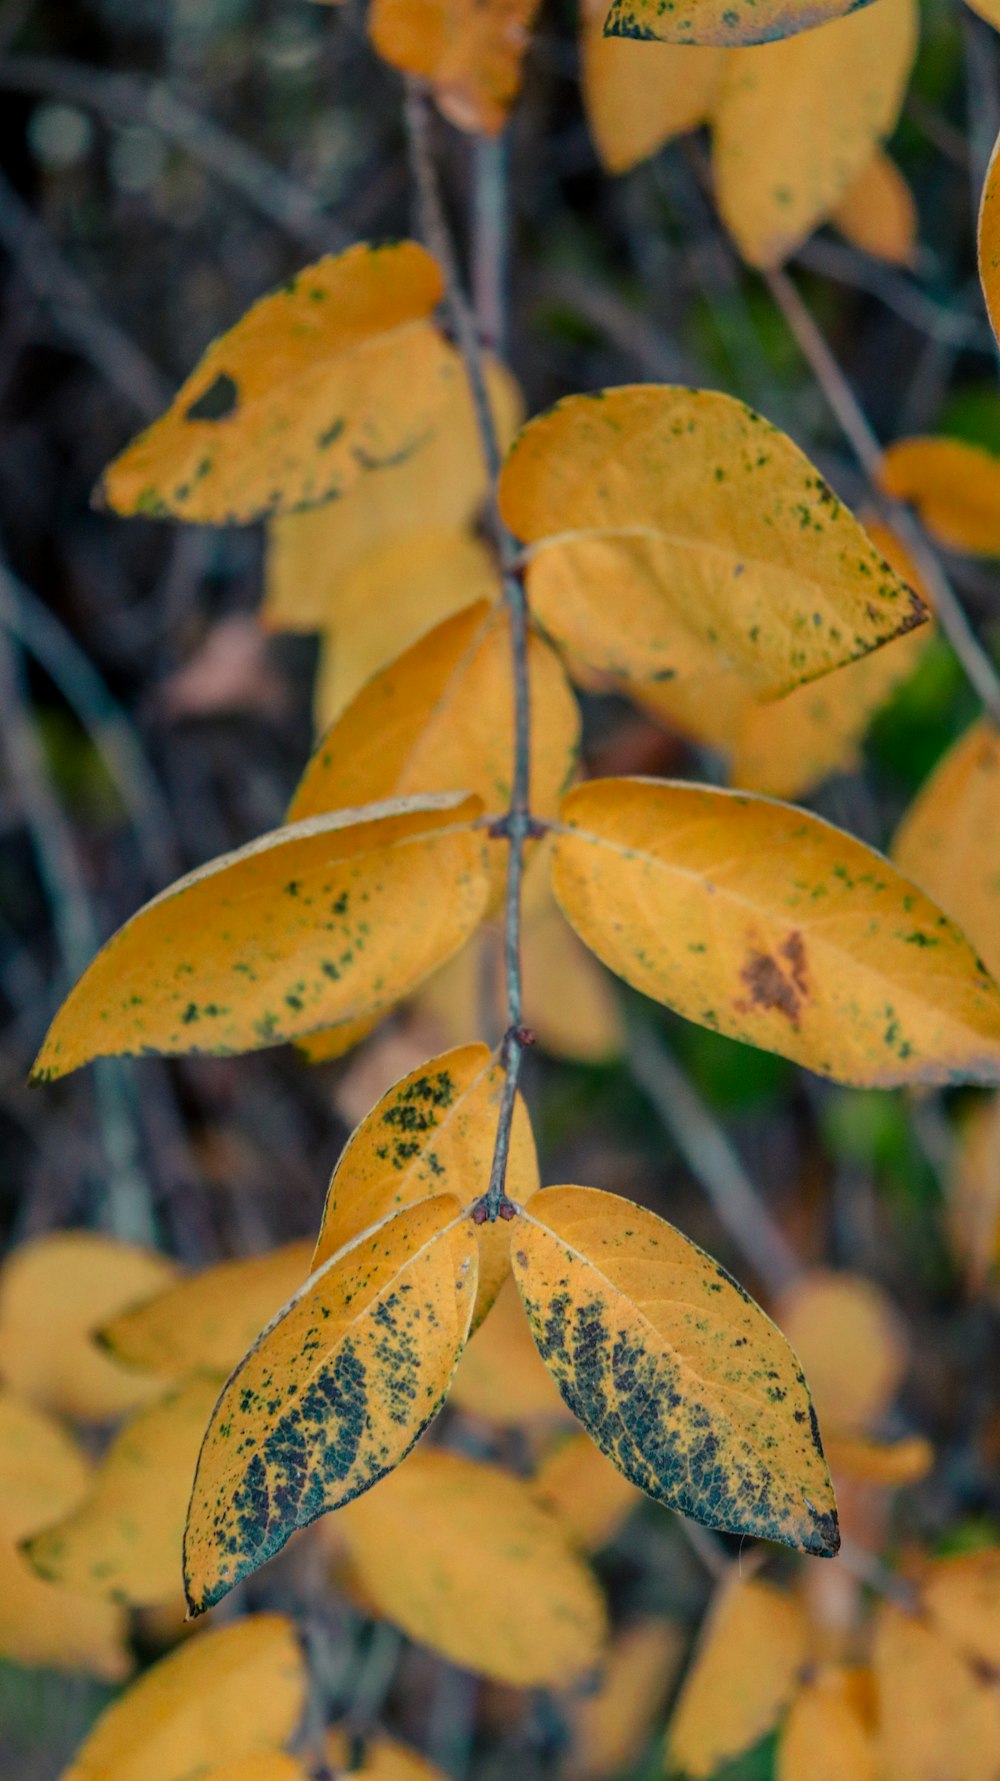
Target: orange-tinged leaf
x: 678, y: 1376
x: 43, y: 1473
x: 320, y: 385
x: 124, y: 1540
x: 852, y: 1345
x: 767, y: 924
x: 746, y: 1666
x: 988, y: 239
x: 974, y: 1192
x: 937, y: 1720
x: 638, y: 97
x: 954, y: 485
x: 948, y: 842
x: 270, y: 1765
x: 878, y: 214
x: 55, y: 1291
x: 235, y: 1692
x: 825, y: 1737
x: 434, y: 1132
x: 44, y: 1627
x: 585, y: 1490
x: 609, y: 1730
x: 888, y: 1463
x: 207, y: 1321
x: 675, y: 533
x: 385, y: 1759
x: 470, y: 51
x: 796, y: 122
x: 321, y: 921
x: 962, y: 1597
x: 464, y: 1559
x: 333, y: 1394
x: 500, y: 1375
x: 718, y: 22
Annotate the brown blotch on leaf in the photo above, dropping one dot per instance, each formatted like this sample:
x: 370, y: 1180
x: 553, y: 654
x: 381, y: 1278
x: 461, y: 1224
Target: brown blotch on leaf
x: 794, y: 951
x: 769, y: 987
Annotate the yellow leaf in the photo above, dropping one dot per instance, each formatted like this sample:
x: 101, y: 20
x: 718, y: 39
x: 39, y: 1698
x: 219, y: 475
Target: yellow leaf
x: 954, y: 485
x: 433, y: 1133
x: 43, y: 1473
x: 585, y: 1490
x: 500, y: 1375
x: 852, y: 1345
x: 974, y: 1192
x: 675, y: 1372
x: 207, y: 1321
x: 877, y: 213
x: 270, y: 1765
x: 767, y: 924
x: 463, y: 1558
x: 54, y: 1292
x: 230, y: 1694
x: 333, y: 1393
x: 948, y: 841
x: 331, y: 1043
x: 825, y: 1737
x: 938, y: 1721
x: 887, y: 1463
x: 675, y: 533
x: 988, y: 10
x: 44, y: 1627
x: 745, y: 1669
x: 609, y: 1730
x: 385, y: 1759
x: 470, y: 51
x: 638, y: 97
x: 988, y: 239
x: 796, y: 122
x: 321, y: 921
x: 962, y: 1597
x: 718, y: 22
x: 320, y: 385
x: 124, y: 1539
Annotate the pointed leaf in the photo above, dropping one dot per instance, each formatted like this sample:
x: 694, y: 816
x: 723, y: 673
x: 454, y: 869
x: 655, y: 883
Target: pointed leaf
x: 988, y: 239
x: 954, y: 485
x: 720, y: 22
x: 470, y: 52
x: 752, y: 1648
x: 637, y: 98
x: 674, y: 532
x: 878, y: 214
x: 675, y: 1372
x: 772, y: 926
x: 333, y: 1394
x: 321, y: 921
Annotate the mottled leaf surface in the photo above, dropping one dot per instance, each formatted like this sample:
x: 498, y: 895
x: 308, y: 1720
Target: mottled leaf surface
x: 322, y: 921
x: 674, y: 533
x: 720, y: 22
x: 321, y: 384
x: 470, y: 52
x: 752, y: 1648
x: 949, y: 839
x: 954, y: 485
x: 333, y: 1394
x: 675, y: 1372
x: 765, y: 923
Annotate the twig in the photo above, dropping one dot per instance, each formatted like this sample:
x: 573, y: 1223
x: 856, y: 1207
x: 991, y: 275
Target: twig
x: 490, y: 228
x: 979, y: 668
x: 516, y: 826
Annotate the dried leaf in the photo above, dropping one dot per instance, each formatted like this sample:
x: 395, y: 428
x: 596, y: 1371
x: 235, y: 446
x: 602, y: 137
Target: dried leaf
x: 320, y: 385
x: 675, y: 1372
x: 585, y: 1490
x: 334, y: 1392
x: 878, y: 214
x: 955, y: 487
x: 937, y: 1720
x: 774, y: 927
x: 825, y: 1736
x: 321, y: 921
x: 948, y: 841
x: 752, y: 1648
x: 638, y: 97
x: 609, y: 1730
x: 795, y: 123
x: 851, y: 1343
x: 463, y: 1558
x: 500, y: 1375
x: 470, y: 51
x: 233, y: 1693
x: 54, y: 1292
x: 962, y: 1597
x: 675, y: 533
x: 717, y: 22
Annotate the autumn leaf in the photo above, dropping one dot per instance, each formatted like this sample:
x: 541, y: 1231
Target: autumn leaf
x: 434, y: 1132
x: 674, y: 533
x: 585, y: 1490
x: 321, y: 921
x: 878, y: 214
x: 638, y: 96
x: 54, y: 1292
x: 385, y: 1758
x: 796, y: 123
x: 852, y: 1345
x: 470, y: 52
x: 948, y: 841
x: 825, y: 1737
x: 973, y: 1195
x: 936, y: 1716
x: 269, y: 1765
x: 500, y: 1376
x: 752, y: 1649
x: 231, y: 1694
x: 675, y: 1372
x: 988, y: 239
x: 962, y: 1597
x: 718, y: 22
x: 889, y: 1464
x: 767, y: 924
x: 610, y: 1729
x: 954, y: 485
x: 333, y: 1394
x: 321, y: 384
x: 462, y: 1557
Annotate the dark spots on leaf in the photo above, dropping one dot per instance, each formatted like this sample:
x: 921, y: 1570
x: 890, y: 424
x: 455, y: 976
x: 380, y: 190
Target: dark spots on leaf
x: 218, y: 402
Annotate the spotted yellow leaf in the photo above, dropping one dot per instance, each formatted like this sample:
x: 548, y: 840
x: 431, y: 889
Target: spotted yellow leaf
x: 470, y: 52
x: 851, y: 1342
x: 674, y: 533
x: 890, y: 1464
x: 954, y: 485
x: 463, y: 1558
x: 231, y: 1694
x: 826, y: 1737
x: 321, y: 921
x: 771, y: 926
x: 752, y: 1648
x: 638, y: 97
x: 795, y: 123
x: 988, y: 239
x: 719, y: 22
x: 937, y: 1716
x: 877, y: 212
x: 949, y: 843
x: 334, y: 1392
x: 321, y: 384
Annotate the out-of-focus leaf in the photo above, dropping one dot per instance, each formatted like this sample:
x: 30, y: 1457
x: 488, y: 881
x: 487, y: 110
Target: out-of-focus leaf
x: 891, y: 1464
x: 936, y: 1717
x: 500, y: 1375
x: 638, y: 97
x: 878, y: 214
x: 954, y: 485
x: 949, y: 840
x: 852, y: 1345
x: 585, y: 1489
x: 974, y: 1192
x: 752, y: 1649
x: 825, y: 1737
x: 962, y: 1596
x: 470, y: 51
x: 610, y: 1728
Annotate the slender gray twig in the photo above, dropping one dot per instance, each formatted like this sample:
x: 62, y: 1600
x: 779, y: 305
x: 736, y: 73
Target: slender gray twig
x: 490, y: 227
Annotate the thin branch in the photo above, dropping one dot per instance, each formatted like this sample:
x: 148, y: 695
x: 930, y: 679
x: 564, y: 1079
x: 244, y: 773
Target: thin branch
x: 490, y: 229
x: 516, y: 826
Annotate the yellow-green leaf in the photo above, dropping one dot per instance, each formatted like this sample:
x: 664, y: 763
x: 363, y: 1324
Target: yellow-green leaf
x: 231, y: 1693
x: 752, y: 1648
x: 334, y: 1393
x: 314, y: 923
x: 638, y: 97
x: 463, y: 1558
x: 955, y: 486
x: 719, y: 22
x: 676, y: 1373
x: 765, y: 923
x: 674, y: 532
x: 322, y: 383
x: 949, y: 841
